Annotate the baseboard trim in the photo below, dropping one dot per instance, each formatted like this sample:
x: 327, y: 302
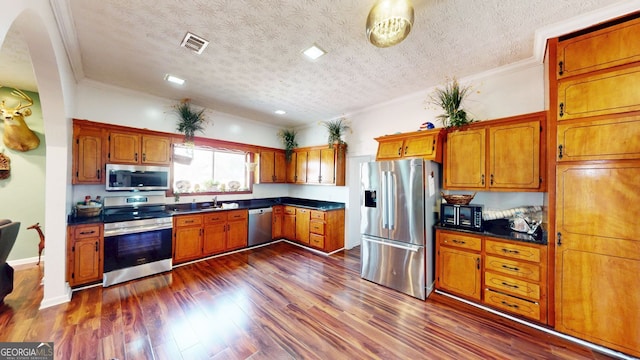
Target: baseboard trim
x: 45, y: 303
x: 598, y: 348
x: 25, y: 261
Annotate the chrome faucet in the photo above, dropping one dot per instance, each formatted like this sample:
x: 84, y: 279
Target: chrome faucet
x: 215, y: 201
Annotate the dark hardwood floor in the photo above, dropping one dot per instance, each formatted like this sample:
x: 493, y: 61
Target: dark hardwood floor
x: 275, y: 302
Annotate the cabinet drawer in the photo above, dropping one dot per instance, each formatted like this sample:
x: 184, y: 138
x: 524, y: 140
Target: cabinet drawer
x: 513, y: 268
x: 316, y: 240
x: 220, y: 216
x: 289, y: 210
x: 316, y: 227
x: 277, y: 209
x: 515, y: 251
x: 511, y: 285
x: 461, y: 241
x: 317, y: 215
x: 86, y: 231
x: 512, y: 304
x: 237, y: 215
x: 191, y: 220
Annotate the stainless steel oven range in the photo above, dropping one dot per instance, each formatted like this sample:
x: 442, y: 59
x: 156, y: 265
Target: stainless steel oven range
x: 137, y: 238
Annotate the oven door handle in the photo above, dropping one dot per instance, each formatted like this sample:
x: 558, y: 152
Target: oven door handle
x: 135, y: 230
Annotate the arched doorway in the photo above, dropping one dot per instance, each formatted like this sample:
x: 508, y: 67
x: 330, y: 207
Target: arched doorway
x: 34, y: 20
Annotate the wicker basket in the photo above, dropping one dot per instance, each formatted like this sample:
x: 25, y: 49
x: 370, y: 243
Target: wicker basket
x: 88, y: 210
x: 458, y: 199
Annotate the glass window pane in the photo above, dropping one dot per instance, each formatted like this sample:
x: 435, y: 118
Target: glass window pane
x: 208, y: 170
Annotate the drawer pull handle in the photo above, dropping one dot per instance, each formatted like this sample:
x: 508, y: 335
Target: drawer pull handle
x: 510, y: 305
x: 188, y: 221
x: 507, y: 251
x: 509, y: 285
x: 87, y: 232
x: 459, y: 242
x: 513, y: 268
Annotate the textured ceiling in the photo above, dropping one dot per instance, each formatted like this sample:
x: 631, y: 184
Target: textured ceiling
x: 254, y: 64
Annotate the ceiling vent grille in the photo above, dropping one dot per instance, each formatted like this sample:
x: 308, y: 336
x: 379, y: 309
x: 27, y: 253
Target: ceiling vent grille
x: 194, y: 43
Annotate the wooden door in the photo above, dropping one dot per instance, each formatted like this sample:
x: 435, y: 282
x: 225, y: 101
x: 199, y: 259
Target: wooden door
x: 280, y: 167
x: 598, y: 254
x: 313, y: 167
x: 465, y: 160
x: 276, y: 222
x: 289, y: 223
x: 301, y: 167
x: 214, y: 240
x: 237, y: 234
x: 303, y: 216
x: 124, y: 148
x: 514, y: 156
x: 291, y: 168
x: 87, y: 158
x: 422, y: 146
x: 267, y: 167
x: 390, y: 149
x: 156, y: 150
x: 597, y: 50
x: 87, y: 264
x: 327, y: 166
x: 188, y: 244
x: 459, y: 272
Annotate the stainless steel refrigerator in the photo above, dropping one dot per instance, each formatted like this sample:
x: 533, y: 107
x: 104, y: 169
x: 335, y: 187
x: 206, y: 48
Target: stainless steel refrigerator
x: 400, y: 205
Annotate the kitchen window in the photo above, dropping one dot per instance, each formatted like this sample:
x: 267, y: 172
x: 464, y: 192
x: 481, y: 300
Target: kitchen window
x: 198, y: 169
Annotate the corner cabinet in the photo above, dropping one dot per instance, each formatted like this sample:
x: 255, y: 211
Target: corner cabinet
x: 84, y: 254
x: 424, y: 144
x: 272, y: 167
x: 321, y: 230
x: 499, y: 155
x: 88, y: 154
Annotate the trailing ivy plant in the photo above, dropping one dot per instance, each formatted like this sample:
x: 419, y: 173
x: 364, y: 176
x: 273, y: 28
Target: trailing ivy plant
x: 288, y: 138
x: 189, y: 120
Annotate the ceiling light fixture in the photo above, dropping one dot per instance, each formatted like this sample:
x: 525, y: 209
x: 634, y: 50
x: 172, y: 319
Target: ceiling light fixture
x: 280, y: 112
x: 174, y: 79
x: 314, y: 52
x: 389, y: 22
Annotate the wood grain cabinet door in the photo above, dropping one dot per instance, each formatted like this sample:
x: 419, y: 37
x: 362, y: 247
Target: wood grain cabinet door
x: 237, y: 234
x: 280, y: 167
x: 301, y: 167
x: 156, y: 150
x: 88, y: 163
x: 390, y: 149
x: 327, y: 166
x: 87, y: 264
x: 291, y: 169
x: 124, y: 148
x: 267, y: 167
x: 214, y: 240
x: 459, y: 272
x: 423, y: 146
x: 303, y: 217
x: 464, y: 166
x: 514, y: 156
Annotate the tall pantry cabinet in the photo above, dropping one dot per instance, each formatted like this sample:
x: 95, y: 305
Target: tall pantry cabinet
x: 594, y: 108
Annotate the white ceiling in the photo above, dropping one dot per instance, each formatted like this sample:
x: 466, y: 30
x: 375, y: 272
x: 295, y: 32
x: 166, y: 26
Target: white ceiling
x: 254, y: 66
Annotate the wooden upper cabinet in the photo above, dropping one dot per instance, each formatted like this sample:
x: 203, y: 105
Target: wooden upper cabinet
x: 88, y: 163
x: 133, y: 148
x: 301, y: 167
x: 601, y: 49
x: 499, y: 155
x: 464, y: 165
x: 272, y: 167
x: 321, y: 166
x: 424, y: 144
x: 601, y: 93
x: 514, y: 156
x: 291, y: 168
x: 608, y: 139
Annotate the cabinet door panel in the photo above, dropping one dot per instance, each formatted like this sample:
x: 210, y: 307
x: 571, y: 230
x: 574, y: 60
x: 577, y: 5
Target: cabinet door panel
x: 327, y: 166
x: 459, y: 272
x: 302, y: 225
x: 156, y: 150
x: 514, y: 156
x: 188, y: 244
x: 465, y: 160
x: 291, y: 168
x: 267, y: 167
x: 608, y: 139
x: 214, y: 238
x: 391, y: 149
x: 280, y: 167
x: 289, y: 227
x: 313, y: 166
x: 123, y: 148
x: 88, y: 157
x: 87, y: 266
x: 423, y: 146
x: 599, y: 94
x: 237, y: 234
x: 613, y: 46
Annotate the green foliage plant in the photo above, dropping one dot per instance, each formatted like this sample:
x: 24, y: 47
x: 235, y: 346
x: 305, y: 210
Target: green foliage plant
x: 288, y: 138
x: 336, y: 129
x: 450, y: 99
x: 189, y: 120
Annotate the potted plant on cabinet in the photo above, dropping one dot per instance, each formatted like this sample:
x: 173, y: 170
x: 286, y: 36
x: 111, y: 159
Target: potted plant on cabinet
x: 336, y: 128
x: 288, y: 138
x: 189, y: 120
x: 450, y: 99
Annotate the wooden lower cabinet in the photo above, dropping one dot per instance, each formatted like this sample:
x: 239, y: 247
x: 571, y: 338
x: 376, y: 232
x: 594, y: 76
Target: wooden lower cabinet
x: 276, y: 221
x: 84, y: 254
x: 322, y: 230
x: 507, y: 275
x: 200, y: 235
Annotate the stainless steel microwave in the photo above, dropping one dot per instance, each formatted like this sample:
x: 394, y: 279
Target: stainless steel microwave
x: 461, y: 216
x: 137, y: 178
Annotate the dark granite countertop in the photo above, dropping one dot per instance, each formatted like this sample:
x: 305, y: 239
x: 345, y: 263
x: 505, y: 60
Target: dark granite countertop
x: 183, y: 209
x: 500, y: 229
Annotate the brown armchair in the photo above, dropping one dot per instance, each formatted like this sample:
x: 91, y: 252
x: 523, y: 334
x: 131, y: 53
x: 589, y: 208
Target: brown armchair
x: 8, y: 235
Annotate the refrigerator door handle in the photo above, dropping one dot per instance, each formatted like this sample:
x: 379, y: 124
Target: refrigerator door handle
x: 409, y: 247
x: 391, y: 203
x: 383, y: 190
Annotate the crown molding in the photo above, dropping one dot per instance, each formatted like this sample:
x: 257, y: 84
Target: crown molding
x: 580, y: 22
x: 62, y: 14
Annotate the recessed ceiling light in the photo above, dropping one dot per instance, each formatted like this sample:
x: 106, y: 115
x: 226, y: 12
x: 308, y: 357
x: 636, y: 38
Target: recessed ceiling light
x: 280, y: 112
x: 314, y: 52
x: 174, y: 79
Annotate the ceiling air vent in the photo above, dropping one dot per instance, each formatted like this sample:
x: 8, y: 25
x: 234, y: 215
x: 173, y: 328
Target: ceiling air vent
x: 194, y: 43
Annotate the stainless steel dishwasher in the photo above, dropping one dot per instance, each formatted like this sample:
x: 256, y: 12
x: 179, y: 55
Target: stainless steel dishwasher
x: 259, y: 226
